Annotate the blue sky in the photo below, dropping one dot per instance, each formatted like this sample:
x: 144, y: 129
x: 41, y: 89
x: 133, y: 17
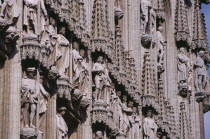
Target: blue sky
x: 206, y: 10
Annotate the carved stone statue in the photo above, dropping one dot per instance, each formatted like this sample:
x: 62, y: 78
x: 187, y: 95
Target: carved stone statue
x: 101, y: 78
x: 63, y: 61
x: 30, y: 18
x: 201, y: 73
x: 183, y: 66
x: 84, y: 75
x: 55, y: 53
x: 77, y: 62
x: 160, y: 45
x: 31, y: 91
x: 149, y: 126
x: 145, y: 13
x: 62, y: 128
x: 126, y: 124
x: 99, y: 135
x: 9, y: 11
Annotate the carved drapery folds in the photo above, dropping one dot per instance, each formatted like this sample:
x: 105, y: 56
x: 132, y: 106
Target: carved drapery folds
x: 199, y: 31
x: 184, y: 73
x: 181, y: 23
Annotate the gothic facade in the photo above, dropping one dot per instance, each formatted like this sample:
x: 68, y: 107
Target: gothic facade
x: 103, y: 69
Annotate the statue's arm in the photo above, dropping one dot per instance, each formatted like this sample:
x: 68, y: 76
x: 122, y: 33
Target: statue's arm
x: 43, y: 8
x: 44, y: 92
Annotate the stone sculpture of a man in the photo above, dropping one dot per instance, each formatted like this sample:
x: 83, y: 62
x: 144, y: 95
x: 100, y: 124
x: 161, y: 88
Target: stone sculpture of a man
x: 99, y: 135
x: 183, y: 66
x: 30, y: 18
x: 10, y: 11
x: 149, y: 126
x: 62, y: 128
x: 145, y: 12
x: 201, y: 73
x: 160, y: 45
x: 101, y: 78
x: 31, y: 91
x: 63, y: 46
x: 77, y: 62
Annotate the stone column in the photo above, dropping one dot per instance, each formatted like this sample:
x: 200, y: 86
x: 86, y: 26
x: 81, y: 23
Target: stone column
x: 14, y: 76
x: 51, y: 118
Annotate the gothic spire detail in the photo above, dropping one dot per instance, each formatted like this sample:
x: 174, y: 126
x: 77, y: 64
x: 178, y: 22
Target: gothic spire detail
x: 200, y: 37
x: 181, y: 22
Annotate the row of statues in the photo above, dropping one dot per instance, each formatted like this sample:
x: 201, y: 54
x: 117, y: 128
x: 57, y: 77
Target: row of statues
x: 185, y: 70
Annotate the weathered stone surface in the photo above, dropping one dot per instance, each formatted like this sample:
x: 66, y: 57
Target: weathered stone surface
x: 101, y: 69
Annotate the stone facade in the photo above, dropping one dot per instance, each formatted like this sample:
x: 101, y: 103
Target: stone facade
x: 103, y: 69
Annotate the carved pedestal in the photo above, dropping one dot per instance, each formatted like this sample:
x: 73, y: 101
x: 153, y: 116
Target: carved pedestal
x: 30, y: 48
x: 64, y: 87
x: 30, y: 133
x: 99, y: 112
x: 183, y: 89
x: 146, y: 40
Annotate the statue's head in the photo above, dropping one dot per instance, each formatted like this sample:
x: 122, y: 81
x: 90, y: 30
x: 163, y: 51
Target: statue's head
x: 82, y: 52
x: 201, y: 53
x: 62, y: 110
x: 100, y: 59
x: 160, y: 28
x: 76, y: 45
x: 124, y: 98
x: 118, y: 93
x: 52, y: 21
x: 182, y: 50
x: 134, y: 109
x: 62, y: 30
x: 149, y: 113
x: 31, y: 72
x: 99, y: 134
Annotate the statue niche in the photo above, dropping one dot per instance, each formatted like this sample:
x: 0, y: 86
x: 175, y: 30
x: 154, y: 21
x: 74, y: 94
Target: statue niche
x: 33, y: 95
x: 149, y: 126
x: 160, y: 46
x: 102, y: 79
x: 200, y: 74
x: 184, y: 71
x: 80, y: 69
x: 62, y: 128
